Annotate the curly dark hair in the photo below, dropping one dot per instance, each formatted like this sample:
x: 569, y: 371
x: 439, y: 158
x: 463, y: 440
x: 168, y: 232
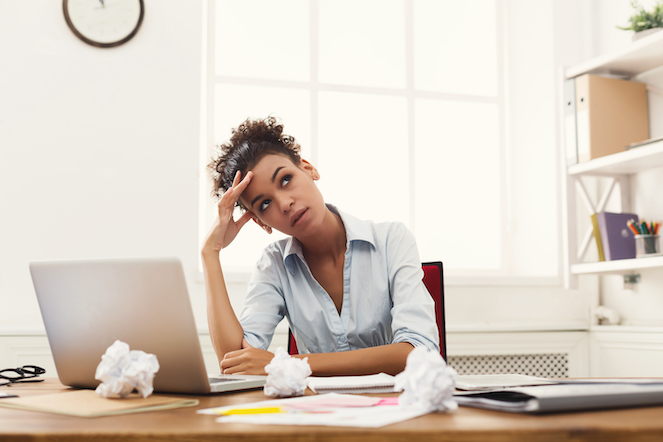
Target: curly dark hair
x: 250, y: 141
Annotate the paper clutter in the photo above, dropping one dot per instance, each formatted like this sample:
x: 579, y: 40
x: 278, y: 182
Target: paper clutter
x: 286, y: 376
x: 122, y: 370
x: 427, y: 382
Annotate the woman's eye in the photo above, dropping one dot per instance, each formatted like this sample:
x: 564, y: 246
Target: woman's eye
x: 264, y: 205
x: 286, y: 179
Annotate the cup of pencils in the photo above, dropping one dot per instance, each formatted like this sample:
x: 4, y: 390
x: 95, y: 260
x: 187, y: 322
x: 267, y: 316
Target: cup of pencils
x: 646, y: 238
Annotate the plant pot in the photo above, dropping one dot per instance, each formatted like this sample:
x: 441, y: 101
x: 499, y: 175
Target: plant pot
x: 646, y: 32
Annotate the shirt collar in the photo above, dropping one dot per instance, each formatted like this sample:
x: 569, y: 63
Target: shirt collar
x: 355, y: 230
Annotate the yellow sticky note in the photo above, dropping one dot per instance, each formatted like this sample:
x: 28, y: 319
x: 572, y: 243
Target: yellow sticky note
x: 263, y: 410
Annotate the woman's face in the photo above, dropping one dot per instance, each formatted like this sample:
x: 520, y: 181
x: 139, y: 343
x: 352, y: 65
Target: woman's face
x: 283, y: 196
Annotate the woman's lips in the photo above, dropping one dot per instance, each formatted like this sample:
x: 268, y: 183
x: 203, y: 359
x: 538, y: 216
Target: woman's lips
x: 297, y: 216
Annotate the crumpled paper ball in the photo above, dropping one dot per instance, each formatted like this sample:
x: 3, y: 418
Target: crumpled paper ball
x: 122, y: 370
x: 286, y: 376
x: 427, y: 382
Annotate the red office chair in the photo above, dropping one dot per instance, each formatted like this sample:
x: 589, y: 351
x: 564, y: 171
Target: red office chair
x: 434, y: 282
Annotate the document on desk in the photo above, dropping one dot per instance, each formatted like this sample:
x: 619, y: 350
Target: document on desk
x: 86, y: 403
x: 565, y: 397
x: 480, y: 382
x: 331, y: 409
x: 376, y: 383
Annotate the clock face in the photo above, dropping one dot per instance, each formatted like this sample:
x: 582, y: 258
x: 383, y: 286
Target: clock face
x: 104, y: 23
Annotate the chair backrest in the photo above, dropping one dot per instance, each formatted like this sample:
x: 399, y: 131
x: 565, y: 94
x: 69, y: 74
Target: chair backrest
x: 434, y: 282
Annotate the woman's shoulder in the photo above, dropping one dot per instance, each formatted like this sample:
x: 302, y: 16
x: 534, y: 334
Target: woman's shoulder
x: 277, y: 253
x: 276, y: 250
x: 390, y: 229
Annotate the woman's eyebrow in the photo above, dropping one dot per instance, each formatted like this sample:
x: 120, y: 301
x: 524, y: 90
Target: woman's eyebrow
x: 255, y: 199
x: 276, y: 172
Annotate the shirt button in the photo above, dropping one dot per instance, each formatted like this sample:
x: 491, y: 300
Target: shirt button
x: 343, y: 339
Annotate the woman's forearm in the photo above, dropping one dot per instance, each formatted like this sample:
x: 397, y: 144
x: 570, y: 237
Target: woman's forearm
x: 225, y: 330
x: 389, y: 359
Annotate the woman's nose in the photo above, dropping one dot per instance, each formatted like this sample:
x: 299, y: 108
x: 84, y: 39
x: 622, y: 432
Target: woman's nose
x: 285, y: 203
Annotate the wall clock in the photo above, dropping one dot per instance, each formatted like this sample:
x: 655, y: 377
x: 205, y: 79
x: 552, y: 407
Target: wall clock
x: 104, y: 23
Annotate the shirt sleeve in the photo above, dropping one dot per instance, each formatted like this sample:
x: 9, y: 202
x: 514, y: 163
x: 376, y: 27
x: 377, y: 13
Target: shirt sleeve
x: 264, y: 305
x: 413, y: 311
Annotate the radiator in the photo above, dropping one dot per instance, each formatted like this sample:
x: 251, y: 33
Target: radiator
x: 553, y: 365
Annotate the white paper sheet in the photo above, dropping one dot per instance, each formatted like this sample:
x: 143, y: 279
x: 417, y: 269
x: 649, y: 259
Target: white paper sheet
x: 338, y: 410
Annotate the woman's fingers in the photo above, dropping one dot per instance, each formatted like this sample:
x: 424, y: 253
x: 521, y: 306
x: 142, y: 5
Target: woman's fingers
x: 248, y: 360
x: 238, y: 176
x: 226, y: 227
x: 239, y: 188
x: 231, y: 196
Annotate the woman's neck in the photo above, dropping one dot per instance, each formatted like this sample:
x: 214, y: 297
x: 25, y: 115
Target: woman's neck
x: 330, y: 240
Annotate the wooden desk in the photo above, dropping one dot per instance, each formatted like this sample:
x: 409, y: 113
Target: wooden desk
x: 466, y: 424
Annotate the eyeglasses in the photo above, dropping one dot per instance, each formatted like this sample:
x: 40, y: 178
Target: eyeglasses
x: 27, y: 373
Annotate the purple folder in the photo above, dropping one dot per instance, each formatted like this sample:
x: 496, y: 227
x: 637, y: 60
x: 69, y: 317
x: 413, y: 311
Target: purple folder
x: 617, y: 238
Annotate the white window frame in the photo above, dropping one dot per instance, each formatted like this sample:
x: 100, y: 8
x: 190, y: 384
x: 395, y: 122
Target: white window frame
x: 456, y: 278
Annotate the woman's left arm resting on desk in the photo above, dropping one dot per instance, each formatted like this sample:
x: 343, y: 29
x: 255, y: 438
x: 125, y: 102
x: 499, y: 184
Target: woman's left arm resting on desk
x: 388, y: 358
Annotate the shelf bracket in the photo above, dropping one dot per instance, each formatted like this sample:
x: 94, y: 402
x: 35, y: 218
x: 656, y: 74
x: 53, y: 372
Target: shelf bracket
x: 591, y: 209
x: 632, y: 279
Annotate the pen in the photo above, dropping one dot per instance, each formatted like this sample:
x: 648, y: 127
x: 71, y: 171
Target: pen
x: 632, y: 226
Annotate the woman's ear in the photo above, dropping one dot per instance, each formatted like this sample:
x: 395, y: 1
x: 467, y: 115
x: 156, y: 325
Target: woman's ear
x: 262, y: 225
x: 310, y: 169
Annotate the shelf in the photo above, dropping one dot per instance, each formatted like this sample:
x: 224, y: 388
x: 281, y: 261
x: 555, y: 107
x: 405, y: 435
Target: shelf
x: 620, y: 266
x: 641, y: 56
x: 628, y: 162
x: 658, y: 329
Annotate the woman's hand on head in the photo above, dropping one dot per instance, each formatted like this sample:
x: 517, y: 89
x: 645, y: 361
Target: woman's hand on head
x: 226, y: 228
x: 248, y: 360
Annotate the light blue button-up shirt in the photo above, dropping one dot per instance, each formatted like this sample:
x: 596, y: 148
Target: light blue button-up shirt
x: 384, y: 298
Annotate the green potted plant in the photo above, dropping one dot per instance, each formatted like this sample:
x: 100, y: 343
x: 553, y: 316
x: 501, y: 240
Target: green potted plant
x: 644, y: 22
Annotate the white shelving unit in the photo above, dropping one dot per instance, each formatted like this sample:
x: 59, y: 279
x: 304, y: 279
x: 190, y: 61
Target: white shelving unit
x: 620, y: 266
x: 642, y: 56
x: 628, y: 162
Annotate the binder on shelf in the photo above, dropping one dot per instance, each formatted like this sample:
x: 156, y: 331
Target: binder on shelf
x: 617, y: 239
x: 570, y: 131
x: 597, y: 236
x: 611, y: 114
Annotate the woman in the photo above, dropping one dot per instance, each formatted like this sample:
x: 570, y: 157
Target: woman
x: 350, y: 289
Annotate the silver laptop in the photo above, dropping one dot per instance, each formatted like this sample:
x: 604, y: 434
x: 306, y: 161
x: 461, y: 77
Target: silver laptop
x: 88, y: 304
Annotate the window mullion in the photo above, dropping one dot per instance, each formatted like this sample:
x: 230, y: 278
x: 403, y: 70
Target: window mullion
x: 314, y: 86
x: 508, y: 218
x: 409, y: 86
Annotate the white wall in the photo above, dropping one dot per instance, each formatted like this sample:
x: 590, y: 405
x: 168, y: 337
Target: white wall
x: 99, y: 148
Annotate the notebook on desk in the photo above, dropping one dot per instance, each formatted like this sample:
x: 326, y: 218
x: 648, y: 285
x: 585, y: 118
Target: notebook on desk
x: 527, y: 394
x: 88, y: 304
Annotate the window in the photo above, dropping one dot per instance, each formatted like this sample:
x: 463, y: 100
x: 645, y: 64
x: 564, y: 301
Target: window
x: 401, y: 106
